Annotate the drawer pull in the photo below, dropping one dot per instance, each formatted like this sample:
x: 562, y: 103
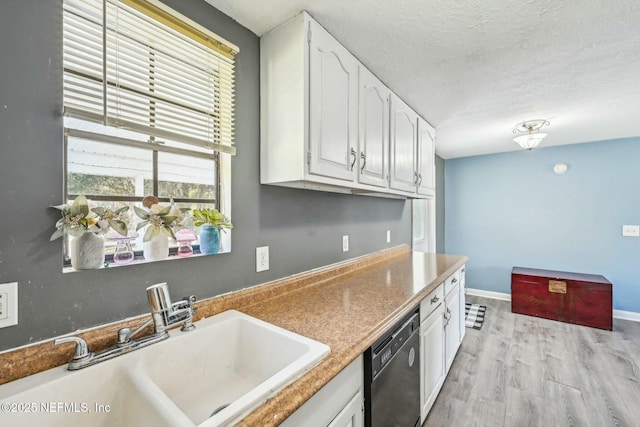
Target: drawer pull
x: 454, y: 280
x: 435, y: 299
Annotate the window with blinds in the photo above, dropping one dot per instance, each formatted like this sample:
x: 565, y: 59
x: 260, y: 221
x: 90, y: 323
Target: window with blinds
x: 134, y: 65
x: 148, y: 107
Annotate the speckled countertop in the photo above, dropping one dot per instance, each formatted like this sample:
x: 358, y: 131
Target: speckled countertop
x: 348, y: 313
x: 347, y: 306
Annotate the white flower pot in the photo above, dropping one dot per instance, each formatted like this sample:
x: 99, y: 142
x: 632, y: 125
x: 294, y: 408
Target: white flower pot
x: 156, y: 249
x: 86, y: 251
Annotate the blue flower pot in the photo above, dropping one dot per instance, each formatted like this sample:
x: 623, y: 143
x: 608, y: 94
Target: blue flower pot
x: 209, y: 240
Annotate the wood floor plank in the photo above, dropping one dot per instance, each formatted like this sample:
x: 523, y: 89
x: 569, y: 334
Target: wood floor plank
x: 526, y: 371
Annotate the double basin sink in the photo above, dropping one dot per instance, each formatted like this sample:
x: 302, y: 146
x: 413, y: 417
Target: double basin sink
x: 212, y: 376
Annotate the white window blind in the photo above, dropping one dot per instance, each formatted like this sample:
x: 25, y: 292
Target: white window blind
x: 133, y: 64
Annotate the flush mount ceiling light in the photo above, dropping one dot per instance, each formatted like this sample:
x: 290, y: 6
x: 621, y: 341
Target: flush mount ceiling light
x: 529, y: 135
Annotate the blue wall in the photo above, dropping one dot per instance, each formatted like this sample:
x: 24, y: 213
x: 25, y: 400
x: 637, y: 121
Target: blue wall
x: 510, y: 209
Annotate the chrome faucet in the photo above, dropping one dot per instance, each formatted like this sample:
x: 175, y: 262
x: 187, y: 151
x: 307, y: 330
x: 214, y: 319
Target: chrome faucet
x: 164, y: 315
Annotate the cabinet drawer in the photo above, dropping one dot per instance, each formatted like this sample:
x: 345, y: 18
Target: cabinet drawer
x: 451, y: 282
x: 431, y: 302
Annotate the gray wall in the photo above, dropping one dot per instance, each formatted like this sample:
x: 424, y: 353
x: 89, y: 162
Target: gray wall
x: 302, y: 228
x: 440, y: 204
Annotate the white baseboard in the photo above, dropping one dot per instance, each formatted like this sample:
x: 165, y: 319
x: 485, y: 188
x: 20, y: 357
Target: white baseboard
x: 626, y: 315
x: 489, y: 294
x: 617, y: 314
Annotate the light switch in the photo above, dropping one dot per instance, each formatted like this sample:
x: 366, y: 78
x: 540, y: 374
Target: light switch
x: 631, y: 230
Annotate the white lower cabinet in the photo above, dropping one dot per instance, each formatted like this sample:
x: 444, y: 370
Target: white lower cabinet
x: 441, y: 333
x: 452, y: 325
x: 337, y: 404
x: 432, y: 369
x: 351, y: 415
x: 463, y: 302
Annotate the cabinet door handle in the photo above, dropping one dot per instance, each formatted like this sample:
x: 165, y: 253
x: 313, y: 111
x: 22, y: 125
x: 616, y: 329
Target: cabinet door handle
x: 454, y: 280
x: 419, y: 179
x: 415, y: 178
x: 435, y: 299
x: 364, y: 161
x: 355, y: 157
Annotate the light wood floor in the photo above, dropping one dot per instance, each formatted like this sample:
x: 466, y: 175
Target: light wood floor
x: 523, y: 371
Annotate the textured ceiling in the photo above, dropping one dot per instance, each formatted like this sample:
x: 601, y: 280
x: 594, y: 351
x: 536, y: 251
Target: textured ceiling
x: 474, y: 69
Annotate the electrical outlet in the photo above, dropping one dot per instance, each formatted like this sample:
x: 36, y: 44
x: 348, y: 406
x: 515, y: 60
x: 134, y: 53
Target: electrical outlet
x: 262, y: 259
x: 388, y: 236
x: 631, y: 230
x: 4, y: 298
x: 8, y: 304
x: 345, y: 243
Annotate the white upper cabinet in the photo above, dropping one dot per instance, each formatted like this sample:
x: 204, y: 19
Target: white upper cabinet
x: 373, y: 157
x: 326, y: 122
x: 333, y: 109
x: 404, y: 133
x: 426, y: 159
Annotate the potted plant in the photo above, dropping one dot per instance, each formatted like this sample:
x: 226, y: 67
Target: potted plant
x: 210, y: 221
x: 159, y: 221
x: 86, y: 227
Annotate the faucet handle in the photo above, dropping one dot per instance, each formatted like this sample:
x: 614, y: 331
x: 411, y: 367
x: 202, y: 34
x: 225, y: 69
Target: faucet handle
x: 82, y: 349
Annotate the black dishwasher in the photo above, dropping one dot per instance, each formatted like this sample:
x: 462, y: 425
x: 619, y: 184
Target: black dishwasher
x: 392, y: 376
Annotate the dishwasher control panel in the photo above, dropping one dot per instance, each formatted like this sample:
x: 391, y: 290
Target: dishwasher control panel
x: 387, y: 346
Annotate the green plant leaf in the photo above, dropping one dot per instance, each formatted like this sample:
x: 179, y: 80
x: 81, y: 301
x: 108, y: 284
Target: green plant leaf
x: 141, y: 224
x: 80, y: 206
x: 121, y: 210
x: 119, y: 226
x: 167, y: 231
x: 199, y: 215
x: 168, y: 219
x: 165, y: 211
x: 151, y: 232
x: 141, y: 213
x: 99, y: 210
x: 57, y: 234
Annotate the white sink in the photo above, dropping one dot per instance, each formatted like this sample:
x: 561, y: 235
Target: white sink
x: 230, y: 359
x: 98, y: 396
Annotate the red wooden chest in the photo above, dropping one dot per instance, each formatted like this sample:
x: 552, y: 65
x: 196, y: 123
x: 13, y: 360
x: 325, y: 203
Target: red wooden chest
x: 582, y: 299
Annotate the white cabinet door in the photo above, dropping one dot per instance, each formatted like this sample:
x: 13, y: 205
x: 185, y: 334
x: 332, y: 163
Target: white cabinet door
x: 351, y: 415
x: 333, y: 107
x: 338, y: 404
x: 426, y: 158
x: 374, y: 130
x: 404, y: 132
x: 463, y: 300
x: 432, y: 370
x: 452, y: 327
